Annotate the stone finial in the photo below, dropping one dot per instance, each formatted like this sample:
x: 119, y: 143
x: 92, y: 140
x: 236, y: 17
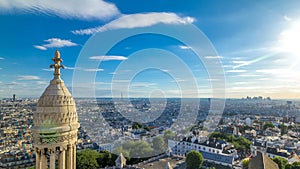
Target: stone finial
x: 57, y: 60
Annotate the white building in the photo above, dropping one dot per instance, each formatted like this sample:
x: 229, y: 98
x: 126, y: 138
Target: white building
x: 215, y: 151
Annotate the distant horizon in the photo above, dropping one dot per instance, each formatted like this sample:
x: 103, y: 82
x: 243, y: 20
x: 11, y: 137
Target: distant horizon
x: 272, y: 99
x: 140, y: 48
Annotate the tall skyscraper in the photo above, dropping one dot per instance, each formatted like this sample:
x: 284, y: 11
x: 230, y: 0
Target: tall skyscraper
x: 55, y: 124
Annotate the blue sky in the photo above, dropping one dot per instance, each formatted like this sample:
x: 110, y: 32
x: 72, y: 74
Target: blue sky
x: 238, y: 48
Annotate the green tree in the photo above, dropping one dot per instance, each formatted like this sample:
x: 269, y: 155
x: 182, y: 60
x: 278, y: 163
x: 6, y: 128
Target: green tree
x: 168, y: 134
x: 137, y: 125
x: 268, y: 125
x: 283, y: 128
x: 245, y: 162
x: 135, y: 149
x: 147, y: 128
x: 240, y: 143
x: 159, y: 145
x: 104, y: 159
x: 87, y: 159
x: 295, y: 165
x: 140, y: 149
x: 281, y: 162
x: 194, y: 160
x: 120, y: 150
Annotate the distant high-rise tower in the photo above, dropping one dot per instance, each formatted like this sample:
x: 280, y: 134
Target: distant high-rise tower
x: 55, y: 124
x: 14, y: 97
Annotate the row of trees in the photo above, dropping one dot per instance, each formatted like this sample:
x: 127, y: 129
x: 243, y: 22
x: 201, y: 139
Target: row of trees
x: 91, y: 159
x: 141, y: 150
x: 283, y: 163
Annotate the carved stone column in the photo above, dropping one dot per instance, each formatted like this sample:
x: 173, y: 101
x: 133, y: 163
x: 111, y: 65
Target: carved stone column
x: 44, y: 162
x: 62, y: 158
x: 37, y: 158
x: 70, y: 157
x: 74, y: 156
x: 52, y: 159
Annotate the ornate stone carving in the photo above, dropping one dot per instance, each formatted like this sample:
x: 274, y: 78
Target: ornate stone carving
x: 55, y: 120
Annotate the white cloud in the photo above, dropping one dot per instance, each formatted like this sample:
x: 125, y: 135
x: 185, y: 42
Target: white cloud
x: 48, y: 69
x: 41, y: 82
x: 235, y: 71
x: 120, y: 81
x: 243, y: 83
x: 1, y: 58
x: 0, y: 68
x: 40, y: 47
x: 142, y: 84
x: 87, y: 10
x: 213, y: 57
x: 239, y: 62
x: 28, y: 77
x: 185, y: 47
x: 92, y: 70
x: 70, y: 68
x: 286, y: 18
x: 107, y: 58
x: 248, y: 75
x: 55, y: 43
x: 138, y: 21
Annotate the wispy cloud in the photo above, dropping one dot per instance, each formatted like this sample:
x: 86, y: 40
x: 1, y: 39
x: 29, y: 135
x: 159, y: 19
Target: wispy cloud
x: 40, y: 47
x: 55, y: 43
x: 108, y: 58
x: 1, y: 58
x: 235, y: 71
x: 213, y: 57
x: 248, y: 75
x: 279, y: 72
x: 286, y: 18
x: 87, y: 10
x: 27, y: 77
x: 70, y: 68
x: 92, y: 70
x: 138, y: 21
x: 48, y: 69
x: 243, y: 83
x: 184, y: 47
x: 41, y: 82
x: 142, y: 84
x: 120, y: 81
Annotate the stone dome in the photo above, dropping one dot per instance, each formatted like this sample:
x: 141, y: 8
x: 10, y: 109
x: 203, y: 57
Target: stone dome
x: 55, y: 119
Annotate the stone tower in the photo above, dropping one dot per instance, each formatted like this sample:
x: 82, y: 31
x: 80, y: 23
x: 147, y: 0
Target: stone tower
x: 55, y: 124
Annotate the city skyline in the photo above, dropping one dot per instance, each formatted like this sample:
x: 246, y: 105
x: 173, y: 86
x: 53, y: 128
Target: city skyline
x: 255, y: 42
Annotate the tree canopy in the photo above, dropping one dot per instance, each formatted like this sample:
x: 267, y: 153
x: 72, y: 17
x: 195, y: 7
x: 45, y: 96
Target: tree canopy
x: 92, y: 159
x: 268, y: 125
x: 194, y: 160
x: 87, y: 159
x: 281, y: 162
x: 159, y: 145
x: 240, y: 143
x: 168, y: 134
